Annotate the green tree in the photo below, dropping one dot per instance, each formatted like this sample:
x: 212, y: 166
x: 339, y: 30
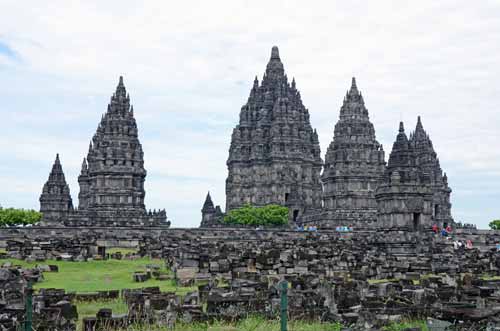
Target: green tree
x: 495, y: 225
x: 13, y: 217
x: 253, y: 216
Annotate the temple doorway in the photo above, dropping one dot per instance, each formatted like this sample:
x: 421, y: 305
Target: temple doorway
x: 295, y: 215
x: 416, y: 221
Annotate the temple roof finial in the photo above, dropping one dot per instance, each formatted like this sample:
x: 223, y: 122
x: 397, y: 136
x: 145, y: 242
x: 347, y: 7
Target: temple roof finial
x: 120, y: 89
x: 275, y: 53
x: 208, y: 205
x: 419, y: 124
x: 401, y: 127
x: 354, y: 88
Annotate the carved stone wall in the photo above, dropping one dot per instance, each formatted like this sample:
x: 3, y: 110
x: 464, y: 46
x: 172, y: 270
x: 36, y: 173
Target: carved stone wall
x: 274, y: 149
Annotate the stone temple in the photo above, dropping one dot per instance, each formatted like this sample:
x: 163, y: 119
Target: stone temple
x: 274, y: 157
x: 354, y: 164
x: 55, y: 201
x: 112, y: 176
x: 414, y: 191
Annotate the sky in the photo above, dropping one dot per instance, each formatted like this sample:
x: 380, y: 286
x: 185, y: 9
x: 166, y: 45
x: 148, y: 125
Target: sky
x: 189, y: 66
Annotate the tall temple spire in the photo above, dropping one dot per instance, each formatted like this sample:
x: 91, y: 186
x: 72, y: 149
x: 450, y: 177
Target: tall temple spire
x: 55, y: 200
x: 274, y: 146
x: 274, y: 67
x: 354, y: 163
x: 354, y: 87
x: 116, y: 154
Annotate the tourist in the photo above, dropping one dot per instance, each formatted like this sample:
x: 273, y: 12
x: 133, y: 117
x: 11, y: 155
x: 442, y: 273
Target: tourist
x: 468, y: 245
x: 444, y: 233
x: 448, y: 229
x: 435, y: 228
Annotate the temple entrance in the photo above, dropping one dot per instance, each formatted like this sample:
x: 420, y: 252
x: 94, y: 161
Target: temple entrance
x: 416, y: 221
x: 101, y: 250
x: 436, y: 210
x: 295, y: 215
x: 286, y: 197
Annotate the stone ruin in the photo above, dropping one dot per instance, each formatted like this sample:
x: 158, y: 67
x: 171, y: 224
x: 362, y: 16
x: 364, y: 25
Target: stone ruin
x: 362, y: 278
x: 52, y: 309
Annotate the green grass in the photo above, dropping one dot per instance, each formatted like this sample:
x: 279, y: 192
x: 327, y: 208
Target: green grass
x: 249, y: 324
x: 89, y: 309
x: 103, y: 275
x: 405, y: 325
x: 124, y: 251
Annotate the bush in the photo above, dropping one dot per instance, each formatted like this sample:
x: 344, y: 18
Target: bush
x: 13, y: 217
x: 250, y: 215
x: 495, y: 225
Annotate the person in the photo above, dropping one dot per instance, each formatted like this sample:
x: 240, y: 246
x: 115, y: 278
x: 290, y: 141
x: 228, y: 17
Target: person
x: 468, y: 245
x: 435, y: 228
x: 455, y: 245
x: 448, y: 229
x: 444, y: 233
x: 498, y: 247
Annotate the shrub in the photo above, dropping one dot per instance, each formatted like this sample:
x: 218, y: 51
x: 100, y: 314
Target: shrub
x: 495, y: 225
x: 13, y: 217
x: 250, y: 215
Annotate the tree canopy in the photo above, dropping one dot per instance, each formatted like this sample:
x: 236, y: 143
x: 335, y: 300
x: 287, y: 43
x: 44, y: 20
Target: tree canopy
x: 273, y: 215
x: 13, y: 217
x: 495, y: 225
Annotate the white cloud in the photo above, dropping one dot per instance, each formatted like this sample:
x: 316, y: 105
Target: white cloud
x: 189, y: 66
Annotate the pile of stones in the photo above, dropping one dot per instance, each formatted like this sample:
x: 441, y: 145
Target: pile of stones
x: 52, y: 309
x: 362, y: 256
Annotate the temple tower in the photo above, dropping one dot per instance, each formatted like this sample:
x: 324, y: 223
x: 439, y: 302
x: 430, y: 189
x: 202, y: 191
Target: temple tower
x: 354, y: 164
x: 55, y: 200
x: 274, y: 148
x: 210, y: 215
x: 405, y: 195
x: 426, y: 158
x: 112, y: 175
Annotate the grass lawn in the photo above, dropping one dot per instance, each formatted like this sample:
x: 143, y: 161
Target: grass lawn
x: 100, y: 275
x: 249, y: 324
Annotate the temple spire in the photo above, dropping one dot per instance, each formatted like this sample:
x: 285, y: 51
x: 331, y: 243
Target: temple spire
x: 274, y: 67
x: 275, y: 53
x: 120, y: 89
x: 208, y: 205
x: 354, y: 87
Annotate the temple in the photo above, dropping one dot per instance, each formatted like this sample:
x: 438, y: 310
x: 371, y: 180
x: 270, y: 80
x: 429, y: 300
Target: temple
x: 55, y: 200
x: 112, y: 175
x: 414, y: 193
x: 274, y: 157
x: 354, y: 164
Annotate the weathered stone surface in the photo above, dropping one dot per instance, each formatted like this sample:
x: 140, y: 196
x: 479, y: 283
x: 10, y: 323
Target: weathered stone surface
x: 111, y: 179
x: 354, y: 164
x: 274, y: 157
x: 55, y: 200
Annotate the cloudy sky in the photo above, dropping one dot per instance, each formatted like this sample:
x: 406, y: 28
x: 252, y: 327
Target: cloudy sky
x: 189, y: 66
